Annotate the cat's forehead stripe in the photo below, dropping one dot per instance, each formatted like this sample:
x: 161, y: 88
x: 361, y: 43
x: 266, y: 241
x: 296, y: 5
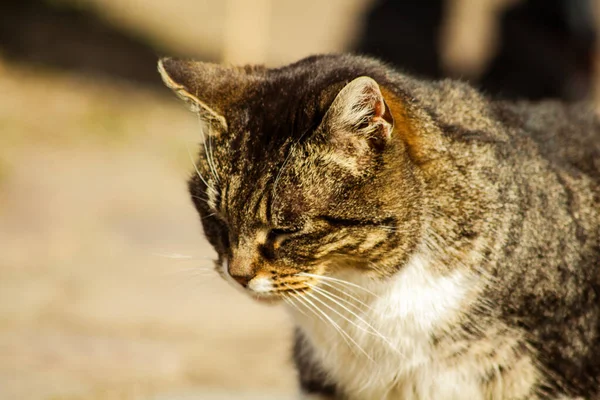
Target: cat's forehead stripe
x: 246, y: 202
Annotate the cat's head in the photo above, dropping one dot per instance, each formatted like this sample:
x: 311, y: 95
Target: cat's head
x: 304, y: 170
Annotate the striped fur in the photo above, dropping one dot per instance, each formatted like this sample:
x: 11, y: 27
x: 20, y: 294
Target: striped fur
x: 429, y: 242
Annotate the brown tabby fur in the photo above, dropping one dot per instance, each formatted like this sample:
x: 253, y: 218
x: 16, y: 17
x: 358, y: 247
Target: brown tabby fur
x: 506, y: 192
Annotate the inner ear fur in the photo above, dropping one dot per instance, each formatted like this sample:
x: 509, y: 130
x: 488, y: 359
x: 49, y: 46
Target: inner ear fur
x: 359, y: 111
x: 365, y: 115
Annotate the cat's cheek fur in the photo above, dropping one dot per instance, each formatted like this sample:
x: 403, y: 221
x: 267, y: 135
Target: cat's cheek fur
x: 408, y: 309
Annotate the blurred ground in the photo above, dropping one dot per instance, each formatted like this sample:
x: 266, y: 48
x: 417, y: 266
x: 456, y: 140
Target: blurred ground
x: 92, y: 200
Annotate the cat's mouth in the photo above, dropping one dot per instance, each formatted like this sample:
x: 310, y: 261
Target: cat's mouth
x: 271, y: 291
x: 264, y: 290
x: 269, y: 288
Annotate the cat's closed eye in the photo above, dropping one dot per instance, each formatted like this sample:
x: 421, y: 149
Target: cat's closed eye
x: 277, y: 236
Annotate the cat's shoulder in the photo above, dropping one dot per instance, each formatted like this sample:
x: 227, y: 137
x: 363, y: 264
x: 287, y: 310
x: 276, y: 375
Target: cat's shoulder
x: 566, y: 133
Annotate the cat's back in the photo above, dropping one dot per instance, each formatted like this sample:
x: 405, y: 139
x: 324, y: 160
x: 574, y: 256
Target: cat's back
x: 567, y: 135
x: 541, y: 161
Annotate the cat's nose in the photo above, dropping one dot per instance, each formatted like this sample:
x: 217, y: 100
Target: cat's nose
x: 241, y: 271
x: 241, y: 265
x: 242, y: 279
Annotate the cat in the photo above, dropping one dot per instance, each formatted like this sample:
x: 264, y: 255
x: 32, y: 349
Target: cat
x: 429, y: 242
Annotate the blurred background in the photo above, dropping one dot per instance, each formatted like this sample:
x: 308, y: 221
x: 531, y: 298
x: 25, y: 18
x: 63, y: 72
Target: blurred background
x: 106, y: 288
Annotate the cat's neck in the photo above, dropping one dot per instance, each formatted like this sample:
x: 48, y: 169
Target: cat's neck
x: 417, y: 292
x: 356, y: 323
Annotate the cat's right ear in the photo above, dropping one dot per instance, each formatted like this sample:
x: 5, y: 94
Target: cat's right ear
x: 359, y: 122
x: 207, y: 88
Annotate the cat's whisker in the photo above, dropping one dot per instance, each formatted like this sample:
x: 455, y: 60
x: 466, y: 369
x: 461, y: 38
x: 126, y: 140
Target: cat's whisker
x: 209, y: 155
x: 322, y: 315
x: 174, y: 256
x: 370, y: 329
x: 341, y: 330
x: 346, y: 293
x: 208, y: 186
x: 331, y: 297
x: 183, y: 257
x: 209, y: 215
x: 212, y: 160
x: 201, y: 274
x: 324, y: 318
x: 194, y: 268
x: 189, y: 274
x: 376, y: 267
x: 340, y: 281
x: 290, y: 300
x: 303, y: 301
x: 199, y: 197
x: 319, y: 289
x: 189, y: 279
x: 212, y: 157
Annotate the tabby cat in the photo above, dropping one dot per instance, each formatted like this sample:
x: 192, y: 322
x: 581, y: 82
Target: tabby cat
x: 429, y: 242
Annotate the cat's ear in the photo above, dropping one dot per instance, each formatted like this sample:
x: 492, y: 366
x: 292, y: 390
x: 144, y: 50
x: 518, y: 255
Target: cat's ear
x: 359, y: 114
x: 206, y: 87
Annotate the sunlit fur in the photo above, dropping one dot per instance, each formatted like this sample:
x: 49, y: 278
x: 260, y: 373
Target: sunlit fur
x: 430, y: 243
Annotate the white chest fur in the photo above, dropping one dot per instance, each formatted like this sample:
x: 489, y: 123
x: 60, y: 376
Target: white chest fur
x: 384, y: 351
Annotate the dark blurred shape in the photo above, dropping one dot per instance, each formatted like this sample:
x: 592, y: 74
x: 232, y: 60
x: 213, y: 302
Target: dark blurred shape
x: 405, y: 33
x: 44, y: 33
x: 546, y: 46
x: 546, y: 50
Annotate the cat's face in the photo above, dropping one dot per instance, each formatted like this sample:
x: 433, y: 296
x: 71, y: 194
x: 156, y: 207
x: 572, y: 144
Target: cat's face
x: 300, y: 174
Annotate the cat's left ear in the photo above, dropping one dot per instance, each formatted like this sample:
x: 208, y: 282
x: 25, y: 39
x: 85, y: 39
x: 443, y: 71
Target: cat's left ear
x: 209, y: 89
x: 359, y: 115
